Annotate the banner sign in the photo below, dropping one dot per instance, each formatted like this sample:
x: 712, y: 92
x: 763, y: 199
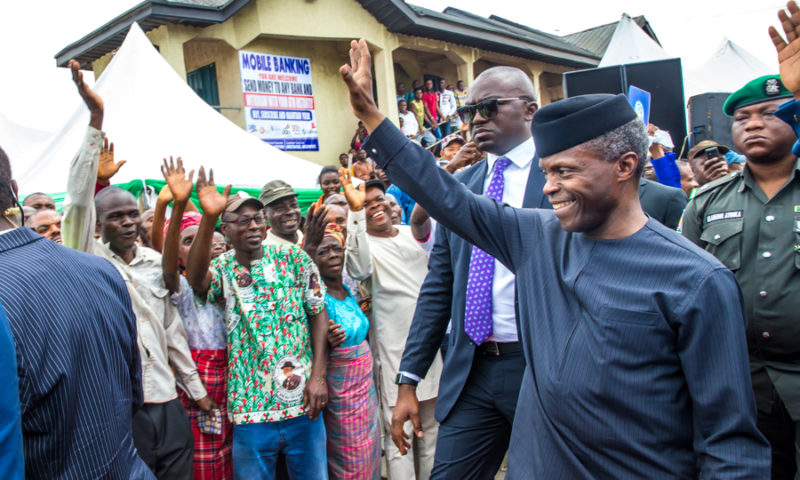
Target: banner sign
x: 279, y: 100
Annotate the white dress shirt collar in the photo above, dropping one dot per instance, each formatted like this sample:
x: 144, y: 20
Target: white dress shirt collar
x: 520, y: 155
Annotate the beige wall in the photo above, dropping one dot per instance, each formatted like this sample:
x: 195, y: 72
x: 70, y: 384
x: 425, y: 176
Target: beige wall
x: 321, y: 30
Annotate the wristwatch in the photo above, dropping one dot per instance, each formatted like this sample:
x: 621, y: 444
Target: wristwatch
x: 403, y: 379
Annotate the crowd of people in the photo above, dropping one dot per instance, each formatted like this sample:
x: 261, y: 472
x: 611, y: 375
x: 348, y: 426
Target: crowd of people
x: 555, y: 284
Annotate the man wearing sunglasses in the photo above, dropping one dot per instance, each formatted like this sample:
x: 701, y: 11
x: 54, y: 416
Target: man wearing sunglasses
x: 481, y: 378
x: 274, y: 305
x: 633, y: 338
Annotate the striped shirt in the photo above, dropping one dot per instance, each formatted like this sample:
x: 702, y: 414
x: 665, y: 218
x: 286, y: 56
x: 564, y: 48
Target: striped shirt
x: 79, y: 372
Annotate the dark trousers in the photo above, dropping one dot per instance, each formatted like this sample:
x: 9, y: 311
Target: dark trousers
x: 474, y: 436
x: 782, y: 432
x: 163, y: 436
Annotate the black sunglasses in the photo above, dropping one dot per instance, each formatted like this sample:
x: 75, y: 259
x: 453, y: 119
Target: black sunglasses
x: 487, y: 108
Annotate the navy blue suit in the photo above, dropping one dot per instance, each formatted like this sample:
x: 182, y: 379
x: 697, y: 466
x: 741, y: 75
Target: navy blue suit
x: 79, y: 370
x: 636, y: 360
x: 441, y: 298
x: 443, y: 295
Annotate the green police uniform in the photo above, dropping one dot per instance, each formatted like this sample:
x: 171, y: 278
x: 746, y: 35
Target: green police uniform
x: 759, y: 240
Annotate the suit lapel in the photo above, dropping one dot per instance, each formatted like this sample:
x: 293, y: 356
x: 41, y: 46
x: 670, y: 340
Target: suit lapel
x: 475, y: 183
x: 534, y: 198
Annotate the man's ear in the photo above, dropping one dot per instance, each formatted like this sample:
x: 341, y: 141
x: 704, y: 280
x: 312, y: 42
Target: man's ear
x: 530, y: 110
x: 627, y: 166
x: 15, y: 187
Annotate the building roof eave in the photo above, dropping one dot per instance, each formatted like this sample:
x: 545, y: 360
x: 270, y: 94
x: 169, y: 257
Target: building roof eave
x: 149, y: 14
x: 398, y: 17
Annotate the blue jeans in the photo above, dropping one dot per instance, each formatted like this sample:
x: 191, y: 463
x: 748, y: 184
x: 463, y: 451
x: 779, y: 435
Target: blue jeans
x: 302, y: 440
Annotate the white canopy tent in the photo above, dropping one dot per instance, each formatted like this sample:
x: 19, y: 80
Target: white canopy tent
x: 728, y: 69
x: 151, y: 113
x: 630, y: 44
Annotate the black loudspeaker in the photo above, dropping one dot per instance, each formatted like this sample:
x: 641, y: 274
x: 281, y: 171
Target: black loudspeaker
x: 706, y: 120
x: 663, y: 79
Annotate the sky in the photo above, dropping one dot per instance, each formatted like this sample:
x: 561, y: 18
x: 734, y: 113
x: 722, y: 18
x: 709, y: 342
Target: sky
x: 34, y: 92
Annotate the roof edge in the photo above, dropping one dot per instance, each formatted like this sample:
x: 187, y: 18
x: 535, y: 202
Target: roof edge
x: 159, y: 10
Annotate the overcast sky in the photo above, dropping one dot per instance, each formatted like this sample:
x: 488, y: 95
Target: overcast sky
x: 32, y: 89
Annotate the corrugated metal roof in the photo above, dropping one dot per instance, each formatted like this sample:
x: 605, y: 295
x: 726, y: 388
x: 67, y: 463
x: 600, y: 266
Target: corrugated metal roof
x: 203, y: 3
x: 453, y: 25
x: 149, y: 14
x: 596, y: 39
x: 463, y: 28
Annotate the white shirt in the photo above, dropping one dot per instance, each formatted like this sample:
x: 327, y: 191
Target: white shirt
x: 410, y: 124
x: 393, y: 270
x: 447, y: 103
x: 504, y: 319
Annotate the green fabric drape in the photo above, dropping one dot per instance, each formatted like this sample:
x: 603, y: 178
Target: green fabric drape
x: 305, y: 196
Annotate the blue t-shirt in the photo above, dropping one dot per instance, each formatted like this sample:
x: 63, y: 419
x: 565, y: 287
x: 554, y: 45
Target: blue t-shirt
x: 347, y: 313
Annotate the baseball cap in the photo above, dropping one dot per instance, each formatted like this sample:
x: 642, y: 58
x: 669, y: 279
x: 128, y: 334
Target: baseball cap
x: 453, y: 138
x: 697, y: 149
x: 240, y: 199
x: 276, y: 190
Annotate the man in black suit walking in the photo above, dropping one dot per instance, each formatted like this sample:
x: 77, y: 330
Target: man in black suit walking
x: 481, y: 378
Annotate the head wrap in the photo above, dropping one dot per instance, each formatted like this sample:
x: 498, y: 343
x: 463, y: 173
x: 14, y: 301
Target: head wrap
x: 189, y: 219
x: 334, y: 231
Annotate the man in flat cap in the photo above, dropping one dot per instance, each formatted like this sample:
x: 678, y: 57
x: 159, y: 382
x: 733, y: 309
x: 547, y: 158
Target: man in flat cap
x: 283, y: 213
x: 750, y: 220
x: 636, y: 362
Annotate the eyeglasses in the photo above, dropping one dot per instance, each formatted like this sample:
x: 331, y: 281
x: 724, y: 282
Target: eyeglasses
x: 245, y: 221
x: 487, y: 108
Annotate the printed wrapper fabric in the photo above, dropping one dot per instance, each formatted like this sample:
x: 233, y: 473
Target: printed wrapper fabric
x: 212, y: 453
x: 351, y: 416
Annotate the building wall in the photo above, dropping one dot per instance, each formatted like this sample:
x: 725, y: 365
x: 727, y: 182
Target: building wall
x: 321, y: 31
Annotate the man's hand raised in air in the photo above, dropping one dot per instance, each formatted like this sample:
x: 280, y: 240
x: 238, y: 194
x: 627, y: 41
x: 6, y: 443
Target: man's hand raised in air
x: 90, y: 98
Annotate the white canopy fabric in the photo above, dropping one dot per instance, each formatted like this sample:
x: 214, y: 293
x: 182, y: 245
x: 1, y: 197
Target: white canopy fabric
x: 630, y: 44
x: 22, y: 144
x: 727, y: 70
x: 151, y: 113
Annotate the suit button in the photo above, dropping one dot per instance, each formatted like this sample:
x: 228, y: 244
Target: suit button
x: 717, y: 236
x: 770, y: 218
x: 766, y: 254
x: 765, y: 334
x: 763, y: 293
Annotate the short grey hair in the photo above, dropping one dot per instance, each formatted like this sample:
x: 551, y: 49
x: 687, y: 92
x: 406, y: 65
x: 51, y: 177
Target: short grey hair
x: 630, y: 137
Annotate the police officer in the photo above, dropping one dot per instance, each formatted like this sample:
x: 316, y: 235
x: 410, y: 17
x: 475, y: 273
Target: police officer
x: 750, y: 220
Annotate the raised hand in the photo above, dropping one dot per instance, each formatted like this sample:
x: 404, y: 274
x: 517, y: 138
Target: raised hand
x: 106, y: 167
x: 358, y: 78
x: 316, y: 221
x: 211, y: 201
x: 90, y: 98
x: 789, y: 50
x: 355, y: 197
x: 178, y: 182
